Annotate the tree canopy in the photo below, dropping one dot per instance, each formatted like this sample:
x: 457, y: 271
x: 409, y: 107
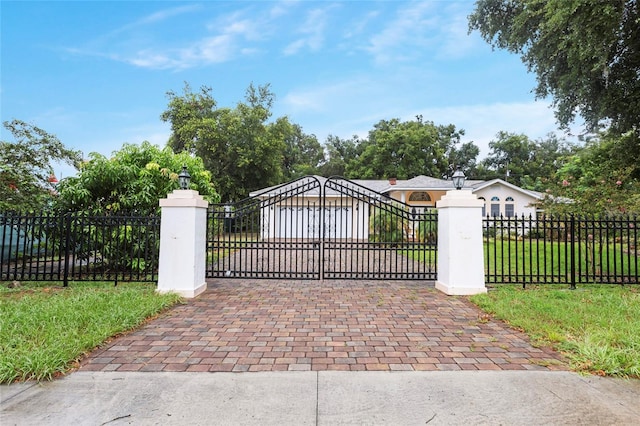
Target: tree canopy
x: 522, y: 161
x: 242, y: 150
x: 599, y: 178
x: 26, y: 170
x: 585, y: 53
x: 404, y: 149
x: 303, y: 154
x: 339, y: 153
x: 132, y: 180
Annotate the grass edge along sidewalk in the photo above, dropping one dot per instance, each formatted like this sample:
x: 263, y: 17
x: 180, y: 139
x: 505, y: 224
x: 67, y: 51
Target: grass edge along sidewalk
x: 45, y: 328
x: 595, y: 326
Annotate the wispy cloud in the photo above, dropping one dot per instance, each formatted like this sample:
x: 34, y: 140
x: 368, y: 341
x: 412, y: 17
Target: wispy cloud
x: 322, y: 98
x: 358, y: 27
x: 404, y: 35
x: 312, y: 31
x: 419, y: 30
x: 153, y: 18
x: 210, y: 50
x: 456, y: 42
x: 282, y: 8
x: 224, y: 43
x: 482, y: 122
x: 329, y: 105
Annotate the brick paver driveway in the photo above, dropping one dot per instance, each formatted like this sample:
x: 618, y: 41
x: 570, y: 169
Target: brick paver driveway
x: 307, y: 325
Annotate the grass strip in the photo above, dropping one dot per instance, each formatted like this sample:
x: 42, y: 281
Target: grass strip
x: 595, y: 326
x: 44, y: 330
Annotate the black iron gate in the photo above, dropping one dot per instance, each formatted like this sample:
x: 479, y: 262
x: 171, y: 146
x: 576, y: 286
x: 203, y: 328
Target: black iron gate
x: 316, y: 228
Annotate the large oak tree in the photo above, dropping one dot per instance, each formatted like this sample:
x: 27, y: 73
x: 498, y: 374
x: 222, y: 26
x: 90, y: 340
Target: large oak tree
x: 585, y: 54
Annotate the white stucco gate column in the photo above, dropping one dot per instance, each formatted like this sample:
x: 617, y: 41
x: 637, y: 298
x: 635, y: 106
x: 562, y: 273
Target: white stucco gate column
x: 183, y: 243
x: 460, y: 253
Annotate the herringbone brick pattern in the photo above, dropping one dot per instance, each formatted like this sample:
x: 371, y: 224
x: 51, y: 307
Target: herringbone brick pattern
x: 298, y: 325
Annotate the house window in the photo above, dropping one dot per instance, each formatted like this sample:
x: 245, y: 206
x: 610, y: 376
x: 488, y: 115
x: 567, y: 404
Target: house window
x: 484, y: 206
x: 495, y: 206
x: 419, y: 196
x: 509, y: 207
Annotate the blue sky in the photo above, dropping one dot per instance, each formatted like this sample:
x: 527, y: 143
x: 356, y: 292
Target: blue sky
x: 96, y: 74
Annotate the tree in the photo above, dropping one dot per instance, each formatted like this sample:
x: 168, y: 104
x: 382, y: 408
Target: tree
x: 585, y: 53
x: 25, y: 166
x: 241, y: 150
x: 465, y: 158
x: 598, y: 178
x: 339, y: 153
x: 132, y: 180
x: 509, y: 157
x: 303, y: 154
x: 407, y: 149
x: 522, y: 161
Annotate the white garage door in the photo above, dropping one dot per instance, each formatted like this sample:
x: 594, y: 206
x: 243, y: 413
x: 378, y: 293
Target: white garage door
x: 306, y: 222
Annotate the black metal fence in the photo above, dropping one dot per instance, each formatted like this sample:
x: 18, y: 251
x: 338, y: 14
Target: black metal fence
x: 561, y: 249
x: 78, y: 247
x: 524, y: 250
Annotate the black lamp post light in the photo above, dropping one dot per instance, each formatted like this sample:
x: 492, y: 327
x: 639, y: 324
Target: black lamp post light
x: 184, y: 178
x: 458, y: 179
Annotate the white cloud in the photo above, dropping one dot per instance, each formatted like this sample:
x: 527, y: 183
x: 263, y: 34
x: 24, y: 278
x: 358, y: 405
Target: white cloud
x: 424, y: 30
x: 282, y: 8
x: 153, y: 18
x: 224, y: 43
x: 482, y: 122
x: 456, y: 41
x: 358, y: 27
x: 156, y: 133
x: 168, y: 13
x: 294, y: 47
x: 312, y: 31
x: 329, y: 109
x: 405, y: 35
x: 323, y: 98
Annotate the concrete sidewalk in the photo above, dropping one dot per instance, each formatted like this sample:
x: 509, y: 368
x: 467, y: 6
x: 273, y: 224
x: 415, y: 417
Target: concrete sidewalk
x: 323, y: 398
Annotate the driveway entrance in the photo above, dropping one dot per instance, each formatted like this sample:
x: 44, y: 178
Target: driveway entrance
x: 315, y: 228
x: 271, y: 325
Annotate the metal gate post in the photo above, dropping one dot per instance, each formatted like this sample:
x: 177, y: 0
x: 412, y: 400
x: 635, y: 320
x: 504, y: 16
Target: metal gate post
x: 67, y: 243
x: 573, y: 252
x: 322, y: 192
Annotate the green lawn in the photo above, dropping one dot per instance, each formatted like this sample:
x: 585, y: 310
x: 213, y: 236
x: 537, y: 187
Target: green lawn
x: 546, y: 261
x: 45, y: 328
x: 596, y: 326
x: 422, y: 254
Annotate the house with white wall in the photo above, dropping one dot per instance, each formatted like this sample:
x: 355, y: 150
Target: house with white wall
x: 500, y: 197
x: 348, y: 217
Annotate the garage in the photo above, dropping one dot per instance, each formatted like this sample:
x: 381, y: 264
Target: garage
x: 306, y: 222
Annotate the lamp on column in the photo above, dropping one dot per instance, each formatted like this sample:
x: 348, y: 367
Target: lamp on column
x: 458, y: 179
x: 184, y: 178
